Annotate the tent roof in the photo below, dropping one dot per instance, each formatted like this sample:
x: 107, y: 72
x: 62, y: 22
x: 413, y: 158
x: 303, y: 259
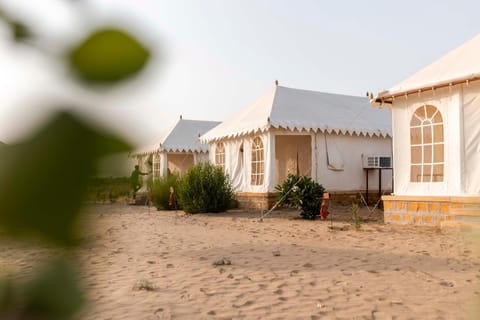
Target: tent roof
x: 182, y: 137
x: 457, y: 66
x: 295, y: 109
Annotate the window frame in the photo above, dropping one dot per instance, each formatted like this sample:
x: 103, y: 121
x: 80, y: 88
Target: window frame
x: 156, y: 165
x: 427, y: 145
x: 257, y: 162
x: 220, y: 155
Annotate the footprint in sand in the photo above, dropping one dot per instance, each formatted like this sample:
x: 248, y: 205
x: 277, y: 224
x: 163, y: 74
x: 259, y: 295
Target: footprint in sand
x: 162, y: 313
x: 278, y: 291
x: 246, y: 304
x: 446, y: 284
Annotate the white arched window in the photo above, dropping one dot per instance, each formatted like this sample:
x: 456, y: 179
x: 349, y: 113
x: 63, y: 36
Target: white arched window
x: 156, y: 165
x: 258, y: 163
x: 426, y: 145
x: 220, y: 155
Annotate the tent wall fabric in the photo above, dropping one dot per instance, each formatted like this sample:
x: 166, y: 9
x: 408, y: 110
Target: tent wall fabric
x: 471, y: 130
x: 238, y: 159
x: 293, y: 155
x: 297, y: 129
x: 437, y: 177
x: 351, y: 149
x: 448, y: 104
x: 178, y: 163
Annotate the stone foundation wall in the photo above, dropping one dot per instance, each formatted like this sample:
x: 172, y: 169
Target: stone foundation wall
x: 349, y: 197
x: 256, y: 201
x: 265, y: 201
x: 426, y: 210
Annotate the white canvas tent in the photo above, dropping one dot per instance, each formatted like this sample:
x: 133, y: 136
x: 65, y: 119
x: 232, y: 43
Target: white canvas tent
x: 176, y: 150
x: 436, y: 138
x: 318, y: 134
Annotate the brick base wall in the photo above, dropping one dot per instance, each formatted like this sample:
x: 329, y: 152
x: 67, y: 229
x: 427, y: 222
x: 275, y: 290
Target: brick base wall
x: 350, y: 197
x: 427, y: 210
x: 266, y: 200
x: 256, y: 201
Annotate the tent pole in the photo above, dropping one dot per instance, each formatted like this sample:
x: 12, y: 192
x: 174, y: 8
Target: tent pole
x: 366, y: 196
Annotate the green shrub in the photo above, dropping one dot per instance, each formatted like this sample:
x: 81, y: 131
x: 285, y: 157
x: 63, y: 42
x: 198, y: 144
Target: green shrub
x: 205, y: 188
x: 301, y: 192
x: 356, y: 218
x: 160, y: 190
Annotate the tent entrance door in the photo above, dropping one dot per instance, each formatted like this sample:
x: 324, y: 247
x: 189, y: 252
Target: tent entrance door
x: 293, y: 154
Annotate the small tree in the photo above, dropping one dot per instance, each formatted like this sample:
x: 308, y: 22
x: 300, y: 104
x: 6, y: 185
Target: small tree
x: 205, y: 188
x: 301, y: 192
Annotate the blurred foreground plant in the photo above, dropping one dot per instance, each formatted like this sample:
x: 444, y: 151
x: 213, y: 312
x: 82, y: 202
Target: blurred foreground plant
x: 44, y: 178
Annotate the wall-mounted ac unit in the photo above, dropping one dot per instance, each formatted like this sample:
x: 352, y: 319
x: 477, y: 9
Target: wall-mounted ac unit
x: 377, y: 162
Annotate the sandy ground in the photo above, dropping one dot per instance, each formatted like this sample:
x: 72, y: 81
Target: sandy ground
x: 281, y: 268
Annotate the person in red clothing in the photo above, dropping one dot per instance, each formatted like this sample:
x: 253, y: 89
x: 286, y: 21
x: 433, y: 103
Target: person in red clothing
x: 324, y: 207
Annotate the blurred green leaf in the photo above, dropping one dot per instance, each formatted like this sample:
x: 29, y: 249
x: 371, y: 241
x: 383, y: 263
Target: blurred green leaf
x: 43, y: 180
x: 20, y: 31
x: 54, y: 293
x: 107, y: 56
x: 7, y: 295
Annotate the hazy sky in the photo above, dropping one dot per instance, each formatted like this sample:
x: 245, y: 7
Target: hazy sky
x: 215, y: 57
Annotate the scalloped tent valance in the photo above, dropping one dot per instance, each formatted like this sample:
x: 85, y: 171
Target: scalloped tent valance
x: 182, y: 137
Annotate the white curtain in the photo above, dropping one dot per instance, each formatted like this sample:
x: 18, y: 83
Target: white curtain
x: 471, y: 115
x: 334, y: 155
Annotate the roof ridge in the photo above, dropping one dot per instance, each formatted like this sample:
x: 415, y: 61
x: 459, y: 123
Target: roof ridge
x: 323, y: 92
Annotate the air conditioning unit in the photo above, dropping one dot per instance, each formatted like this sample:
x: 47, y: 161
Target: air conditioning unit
x: 377, y: 162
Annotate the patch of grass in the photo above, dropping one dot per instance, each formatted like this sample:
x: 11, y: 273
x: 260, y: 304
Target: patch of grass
x: 144, y: 285
x: 108, y: 189
x: 222, y: 262
x: 356, y: 218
